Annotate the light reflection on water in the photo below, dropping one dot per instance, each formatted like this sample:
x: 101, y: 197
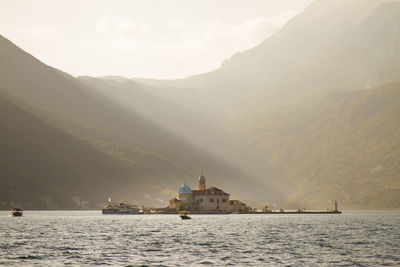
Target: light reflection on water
x: 89, y: 238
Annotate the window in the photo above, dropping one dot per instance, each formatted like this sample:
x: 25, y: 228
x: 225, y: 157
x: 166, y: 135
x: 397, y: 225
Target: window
x: 224, y: 200
x: 201, y: 200
x: 211, y: 200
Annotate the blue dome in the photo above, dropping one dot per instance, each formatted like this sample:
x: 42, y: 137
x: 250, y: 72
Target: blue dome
x: 184, y: 189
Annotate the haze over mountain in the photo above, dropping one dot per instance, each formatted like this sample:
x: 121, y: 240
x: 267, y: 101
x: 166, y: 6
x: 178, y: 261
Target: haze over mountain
x: 301, y: 60
x: 38, y: 161
x: 308, y: 116
x: 344, y: 147
x: 165, y: 160
x: 331, y: 48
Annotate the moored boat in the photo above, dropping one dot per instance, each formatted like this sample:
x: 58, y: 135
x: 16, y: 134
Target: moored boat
x: 184, y: 215
x: 16, y: 212
x: 120, y: 208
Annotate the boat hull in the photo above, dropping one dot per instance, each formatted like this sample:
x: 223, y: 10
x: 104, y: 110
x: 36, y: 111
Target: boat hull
x: 119, y: 212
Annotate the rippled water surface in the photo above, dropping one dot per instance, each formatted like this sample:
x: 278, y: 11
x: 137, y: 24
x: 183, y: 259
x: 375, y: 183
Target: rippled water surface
x: 89, y: 238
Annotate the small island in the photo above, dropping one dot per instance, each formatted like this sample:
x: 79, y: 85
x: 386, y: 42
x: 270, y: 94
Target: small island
x: 213, y: 200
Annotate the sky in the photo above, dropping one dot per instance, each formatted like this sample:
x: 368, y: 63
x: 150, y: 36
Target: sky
x: 162, y: 39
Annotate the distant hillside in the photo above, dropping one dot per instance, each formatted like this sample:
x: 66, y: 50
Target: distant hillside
x: 317, y: 102
x: 306, y: 59
x: 286, y: 96
x: 345, y: 147
x: 365, y: 56
x: 44, y: 167
x: 68, y: 103
x: 191, y: 125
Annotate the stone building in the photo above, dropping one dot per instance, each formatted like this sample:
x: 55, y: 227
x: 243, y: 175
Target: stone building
x: 204, y: 200
x: 238, y: 206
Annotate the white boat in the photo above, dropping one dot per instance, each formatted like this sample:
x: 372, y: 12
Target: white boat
x: 120, y: 208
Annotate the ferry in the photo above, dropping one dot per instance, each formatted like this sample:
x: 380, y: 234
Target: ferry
x: 120, y: 208
x: 16, y: 212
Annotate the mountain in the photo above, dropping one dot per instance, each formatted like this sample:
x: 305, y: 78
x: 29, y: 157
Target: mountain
x: 344, y: 142
x: 286, y: 96
x: 344, y: 147
x: 187, y: 123
x: 286, y: 68
x: 307, y: 116
x: 58, y: 93
x: 366, y: 55
x: 110, y: 127
x: 45, y: 167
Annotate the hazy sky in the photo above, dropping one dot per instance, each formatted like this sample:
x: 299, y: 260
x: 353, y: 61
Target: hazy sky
x: 141, y: 38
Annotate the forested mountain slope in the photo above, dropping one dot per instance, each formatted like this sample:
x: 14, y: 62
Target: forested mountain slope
x: 345, y: 147
x: 45, y: 167
x: 287, y: 95
x: 67, y: 103
x: 317, y: 100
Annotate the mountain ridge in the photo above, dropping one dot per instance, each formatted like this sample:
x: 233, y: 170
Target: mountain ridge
x: 317, y: 103
x: 67, y: 103
x: 342, y: 147
x: 279, y: 74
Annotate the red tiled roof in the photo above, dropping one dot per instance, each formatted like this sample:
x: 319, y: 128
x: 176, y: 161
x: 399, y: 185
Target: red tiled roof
x: 209, y: 191
x: 199, y: 192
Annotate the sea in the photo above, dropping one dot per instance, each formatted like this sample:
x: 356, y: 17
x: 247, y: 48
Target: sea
x: 88, y: 238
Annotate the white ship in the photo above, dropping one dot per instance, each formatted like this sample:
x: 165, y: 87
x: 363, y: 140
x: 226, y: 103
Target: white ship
x: 120, y: 208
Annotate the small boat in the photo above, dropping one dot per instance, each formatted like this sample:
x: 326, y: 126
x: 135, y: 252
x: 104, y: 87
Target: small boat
x: 16, y: 212
x: 184, y: 215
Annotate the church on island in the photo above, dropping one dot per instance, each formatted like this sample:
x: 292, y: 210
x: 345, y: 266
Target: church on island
x: 205, y: 200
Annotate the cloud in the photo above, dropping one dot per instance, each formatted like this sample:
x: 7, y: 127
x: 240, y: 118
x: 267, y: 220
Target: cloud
x: 123, y: 34
x: 120, y: 25
x: 40, y: 30
x: 226, y: 38
x: 113, y: 25
x: 189, y: 47
x: 236, y: 37
x: 176, y: 24
x: 279, y: 20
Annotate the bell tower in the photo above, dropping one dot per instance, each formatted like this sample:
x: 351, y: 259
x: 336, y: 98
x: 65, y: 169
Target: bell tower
x: 201, y: 182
